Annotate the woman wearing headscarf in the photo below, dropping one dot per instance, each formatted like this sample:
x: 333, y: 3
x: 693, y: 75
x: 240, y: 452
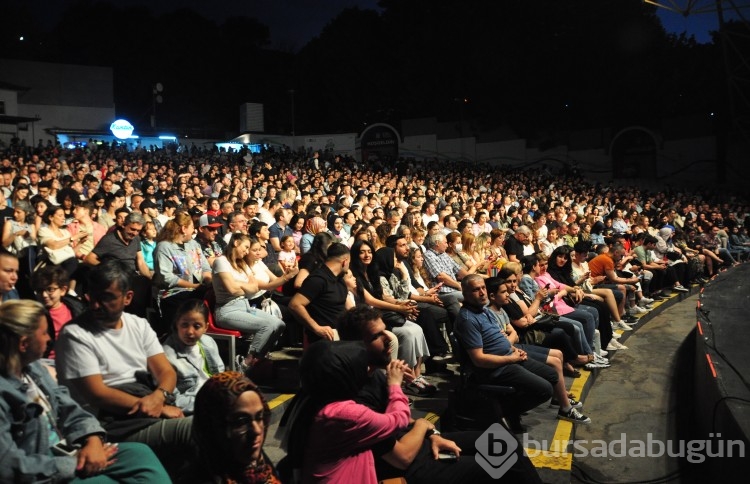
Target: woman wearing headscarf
x: 313, y: 226
x: 331, y: 435
x: 665, y: 250
x: 230, y: 425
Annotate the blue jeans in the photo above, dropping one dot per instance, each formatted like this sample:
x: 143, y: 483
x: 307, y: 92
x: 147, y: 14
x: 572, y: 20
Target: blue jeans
x: 239, y: 315
x: 588, y: 317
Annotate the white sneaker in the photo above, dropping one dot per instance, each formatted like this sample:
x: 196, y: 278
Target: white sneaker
x: 645, y: 301
x: 600, y: 359
x: 615, y: 345
x: 635, y: 310
x: 621, y: 325
x: 603, y: 352
x: 616, y: 335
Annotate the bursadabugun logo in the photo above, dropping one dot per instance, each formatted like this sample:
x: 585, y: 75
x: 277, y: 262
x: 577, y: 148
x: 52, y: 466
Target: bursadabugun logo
x: 496, y: 450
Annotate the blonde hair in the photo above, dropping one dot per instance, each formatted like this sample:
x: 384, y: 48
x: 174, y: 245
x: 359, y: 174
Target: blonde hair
x: 18, y: 318
x: 514, y: 266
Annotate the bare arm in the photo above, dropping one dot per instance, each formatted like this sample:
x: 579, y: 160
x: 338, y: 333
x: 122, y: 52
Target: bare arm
x: 480, y: 359
x: 140, y: 263
x: 407, y: 447
x: 237, y: 288
x: 8, y: 236
x: 93, y: 259
x: 298, y: 305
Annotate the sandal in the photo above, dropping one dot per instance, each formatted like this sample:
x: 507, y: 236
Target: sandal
x: 572, y: 373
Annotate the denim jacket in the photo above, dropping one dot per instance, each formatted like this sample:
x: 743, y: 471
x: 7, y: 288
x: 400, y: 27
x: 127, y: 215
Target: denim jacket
x: 187, y: 373
x: 25, y: 455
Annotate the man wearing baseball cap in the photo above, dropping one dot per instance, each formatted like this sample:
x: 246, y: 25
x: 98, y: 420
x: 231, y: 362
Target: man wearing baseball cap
x: 211, y: 245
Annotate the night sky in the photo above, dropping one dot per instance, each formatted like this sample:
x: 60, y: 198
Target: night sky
x: 295, y: 22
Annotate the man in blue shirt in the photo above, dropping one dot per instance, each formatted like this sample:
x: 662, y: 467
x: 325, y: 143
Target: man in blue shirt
x: 496, y: 360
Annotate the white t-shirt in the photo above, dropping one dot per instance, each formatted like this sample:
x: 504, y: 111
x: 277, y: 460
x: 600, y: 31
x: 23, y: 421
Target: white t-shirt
x: 259, y: 271
x: 223, y: 296
x: 115, y: 354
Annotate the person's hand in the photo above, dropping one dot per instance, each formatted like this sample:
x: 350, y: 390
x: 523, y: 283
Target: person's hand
x: 542, y: 293
x: 170, y: 411
x: 325, y: 332
x: 434, y: 290
x: 440, y: 444
x: 291, y: 272
x: 95, y: 456
x: 149, y: 406
x: 434, y: 299
x: 394, y: 372
x: 21, y: 233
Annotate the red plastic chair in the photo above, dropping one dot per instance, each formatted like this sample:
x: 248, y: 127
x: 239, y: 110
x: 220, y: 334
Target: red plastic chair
x: 228, y: 335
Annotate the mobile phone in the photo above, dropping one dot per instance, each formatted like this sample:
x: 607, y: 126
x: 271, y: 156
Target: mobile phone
x: 447, y: 456
x: 547, y: 286
x: 62, y: 449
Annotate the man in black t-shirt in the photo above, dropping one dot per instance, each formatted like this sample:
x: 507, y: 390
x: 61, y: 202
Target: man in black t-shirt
x: 322, y: 299
x: 514, y: 244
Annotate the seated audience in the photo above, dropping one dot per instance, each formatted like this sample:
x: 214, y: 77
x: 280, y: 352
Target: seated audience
x: 58, y: 440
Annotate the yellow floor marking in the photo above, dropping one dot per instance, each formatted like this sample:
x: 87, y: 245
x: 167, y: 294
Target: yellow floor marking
x: 557, y: 457
x: 279, y: 400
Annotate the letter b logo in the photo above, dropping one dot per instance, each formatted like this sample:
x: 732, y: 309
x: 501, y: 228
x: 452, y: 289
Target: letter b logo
x: 496, y: 451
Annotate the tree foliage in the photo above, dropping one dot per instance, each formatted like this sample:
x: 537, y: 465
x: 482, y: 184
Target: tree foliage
x: 542, y: 64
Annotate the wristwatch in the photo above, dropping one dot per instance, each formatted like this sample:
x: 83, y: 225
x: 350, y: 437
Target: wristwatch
x: 169, y: 398
x: 432, y: 432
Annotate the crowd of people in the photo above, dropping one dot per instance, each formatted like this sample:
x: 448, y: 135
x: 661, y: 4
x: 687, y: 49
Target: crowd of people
x: 126, y: 258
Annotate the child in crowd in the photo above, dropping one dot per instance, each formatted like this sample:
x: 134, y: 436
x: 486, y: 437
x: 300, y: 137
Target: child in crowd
x: 50, y: 284
x: 287, y: 256
x: 148, y: 243
x: 193, y: 354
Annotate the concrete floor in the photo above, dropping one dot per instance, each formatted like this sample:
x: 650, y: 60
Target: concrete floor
x: 634, y: 399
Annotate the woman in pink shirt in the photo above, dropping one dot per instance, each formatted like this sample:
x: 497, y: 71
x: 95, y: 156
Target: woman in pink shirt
x: 332, y: 433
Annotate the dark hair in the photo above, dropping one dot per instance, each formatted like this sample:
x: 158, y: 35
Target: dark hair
x: 337, y: 250
x: 49, y: 274
x: 528, y: 262
x: 352, y: 321
x: 493, y: 284
x: 110, y: 271
x: 255, y: 228
x: 190, y: 306
x: 368, y: 277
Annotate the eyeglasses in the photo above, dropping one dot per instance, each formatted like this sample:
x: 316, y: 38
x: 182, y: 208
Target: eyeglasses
x: 241, y: 424
x: 48, y: 290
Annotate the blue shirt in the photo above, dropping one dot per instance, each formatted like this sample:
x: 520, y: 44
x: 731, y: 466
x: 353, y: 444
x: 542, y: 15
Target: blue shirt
x: 480, y: 330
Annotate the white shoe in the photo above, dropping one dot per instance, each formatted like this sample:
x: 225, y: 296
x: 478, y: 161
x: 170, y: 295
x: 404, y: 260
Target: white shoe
x: 615, y: 345
x: 600, y: 359
x: 621, y: 325
x: 603, y: 352
x: 645, y: 301
x: 616, y: 335
x: 635, y: 310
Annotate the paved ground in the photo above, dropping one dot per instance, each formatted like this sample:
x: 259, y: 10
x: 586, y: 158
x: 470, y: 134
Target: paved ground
x: 631, y: 397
